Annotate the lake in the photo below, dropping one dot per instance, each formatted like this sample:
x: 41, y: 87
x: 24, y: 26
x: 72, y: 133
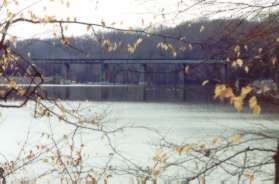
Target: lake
x: 178, y: 122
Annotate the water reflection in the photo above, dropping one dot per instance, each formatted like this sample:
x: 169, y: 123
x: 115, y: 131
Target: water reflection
x: 189, y: 93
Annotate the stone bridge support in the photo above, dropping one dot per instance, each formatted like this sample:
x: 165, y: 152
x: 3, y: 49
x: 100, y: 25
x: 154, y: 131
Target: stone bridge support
x: 67, y: 68
x: 143, y: 80
x: 183, y: 78
x: 224, y: 72
x: 143, y: 74
x: 104, y: 72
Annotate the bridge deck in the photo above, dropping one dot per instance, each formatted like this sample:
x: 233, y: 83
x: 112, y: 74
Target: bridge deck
x: 123, y: 61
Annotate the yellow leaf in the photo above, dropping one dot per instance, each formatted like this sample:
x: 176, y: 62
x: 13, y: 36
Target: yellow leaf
x: 5, y: 3
x: 10, y: 15
x: 257, y: 109
x: 179, y: 150
x: 187, y: 148
x: 221, y: 91
x: 234, y: 64
x: 174, y: 54
x: 236, y: 138
x: 62, y: 108
x: 2, y: 93
x: 103, y: 23
x: 160, y: 156
x: 88, y: 27
x: 237, y: 49
x: 139, y: 41
x: 202, y: 179
x: 190, y: 46
x: 205, y: 82
x: 156, y: 173
x: 274, y: 60
x: 202, y: 29
x: 184, y: 149
x: 13, y: 84
x: 216, y: 140
x: 239, y: 62
x: 157, y: 155
x: 186, y: 69
x: 245, y: 91
x: 246, y: 69
x: 21, y: 92
x: 253, y: 102
x: 266, y: 89
x: 45, y: 160
x: 13, y: 40
x: 238, y: 103
x: 131, y: 49
x: 250, y: 176
x: 251, y: 179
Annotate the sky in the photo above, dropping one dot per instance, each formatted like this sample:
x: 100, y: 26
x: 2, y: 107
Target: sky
x: 118, y: 13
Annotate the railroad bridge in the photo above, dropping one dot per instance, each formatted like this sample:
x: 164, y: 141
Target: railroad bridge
x: 105, y: 64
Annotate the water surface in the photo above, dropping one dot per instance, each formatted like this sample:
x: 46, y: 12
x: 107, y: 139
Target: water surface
x: 178, y: 122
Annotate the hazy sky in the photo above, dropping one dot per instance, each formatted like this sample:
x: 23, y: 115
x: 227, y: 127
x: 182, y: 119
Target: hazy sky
x: 120, y: 13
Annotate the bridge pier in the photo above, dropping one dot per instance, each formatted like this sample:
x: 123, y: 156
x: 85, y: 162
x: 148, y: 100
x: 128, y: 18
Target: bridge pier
x: 276, y: 76
x: 224, y: 72
x: 184, y: 79
x: 180, y: 78
x: 143, y: 80
x: 67, y: 71
x: 104, y: 72
x: 143, y: 77
x: 181, y: 75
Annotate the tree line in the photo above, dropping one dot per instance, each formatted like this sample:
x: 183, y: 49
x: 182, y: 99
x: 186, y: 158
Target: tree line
x: 202, y: 39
